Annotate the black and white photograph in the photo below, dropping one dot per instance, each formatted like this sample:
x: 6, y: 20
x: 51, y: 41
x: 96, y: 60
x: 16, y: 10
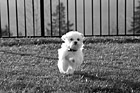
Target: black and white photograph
x: 69, y: 46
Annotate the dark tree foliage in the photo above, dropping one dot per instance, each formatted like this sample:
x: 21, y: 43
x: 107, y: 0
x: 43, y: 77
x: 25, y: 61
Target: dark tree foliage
x: 135, y: 24
x: 5, y: 32
x: 59, y: 24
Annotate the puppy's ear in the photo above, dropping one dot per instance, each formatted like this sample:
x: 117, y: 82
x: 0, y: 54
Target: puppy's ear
x: 82, y: 35
x: 64, y: 37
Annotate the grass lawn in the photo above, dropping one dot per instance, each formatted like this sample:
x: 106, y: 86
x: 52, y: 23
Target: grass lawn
x: 107, y: 68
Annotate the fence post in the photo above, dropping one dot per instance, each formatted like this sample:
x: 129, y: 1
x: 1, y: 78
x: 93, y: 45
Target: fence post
x: 16, y: 17
x: 42, y: 17
x: 0, y: 24
x: 25, y: 18
x: 8, y: 15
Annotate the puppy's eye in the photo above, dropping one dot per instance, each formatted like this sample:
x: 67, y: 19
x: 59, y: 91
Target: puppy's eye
x: 78, y: 39
x: 71, y: 39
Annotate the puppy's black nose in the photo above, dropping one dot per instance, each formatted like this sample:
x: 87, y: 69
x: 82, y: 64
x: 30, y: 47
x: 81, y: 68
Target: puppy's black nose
x: 75, y: 43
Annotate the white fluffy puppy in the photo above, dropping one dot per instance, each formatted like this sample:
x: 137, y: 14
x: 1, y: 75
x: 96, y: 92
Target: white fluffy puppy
x: 70, y: 54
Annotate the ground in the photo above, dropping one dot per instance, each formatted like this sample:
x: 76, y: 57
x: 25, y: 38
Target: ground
x: 108, y: 67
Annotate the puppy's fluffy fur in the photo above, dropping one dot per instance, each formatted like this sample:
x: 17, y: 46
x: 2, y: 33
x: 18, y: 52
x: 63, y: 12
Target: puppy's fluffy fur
x: 70, y: 54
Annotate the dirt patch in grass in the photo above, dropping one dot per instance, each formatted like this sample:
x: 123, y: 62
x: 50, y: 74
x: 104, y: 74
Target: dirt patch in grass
x: 107, y: 68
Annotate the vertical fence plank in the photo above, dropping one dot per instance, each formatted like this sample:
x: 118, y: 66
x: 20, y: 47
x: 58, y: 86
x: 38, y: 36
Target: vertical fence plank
x: 133, y: 17
x: 100, y: 17
x: 67, y: 15
x: 108, y: 17
x: 84, y: 17
x: 25, y: 18
x: 42, y: 17
x: 92, y: 13
x: 17, y: 17
x: 117, y: 14
x: 0, y: 23
x: 125, y: 17
x: 8, y: 14
x: 59, y: 18
x: 51, y: 17
x: 76, y: 15
x: 33, y: 17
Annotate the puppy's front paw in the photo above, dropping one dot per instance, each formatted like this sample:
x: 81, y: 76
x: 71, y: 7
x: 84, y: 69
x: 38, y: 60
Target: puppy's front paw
x: 72, y: 60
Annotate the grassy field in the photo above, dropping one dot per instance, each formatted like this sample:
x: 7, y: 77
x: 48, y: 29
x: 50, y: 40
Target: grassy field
x: 108, y: 67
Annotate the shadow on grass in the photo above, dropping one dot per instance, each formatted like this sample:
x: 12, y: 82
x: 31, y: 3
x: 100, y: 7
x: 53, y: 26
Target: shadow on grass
x: 90, y: 75
x: 117, y: 85
x: 110, y: 85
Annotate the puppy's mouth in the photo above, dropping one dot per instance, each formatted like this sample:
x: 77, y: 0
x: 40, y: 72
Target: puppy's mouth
x: 74, y: 47
x: 72, y: 50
